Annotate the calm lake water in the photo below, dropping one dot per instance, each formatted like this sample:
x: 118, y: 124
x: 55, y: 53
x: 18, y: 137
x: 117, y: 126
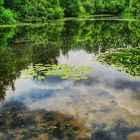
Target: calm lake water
x: 104, y: 107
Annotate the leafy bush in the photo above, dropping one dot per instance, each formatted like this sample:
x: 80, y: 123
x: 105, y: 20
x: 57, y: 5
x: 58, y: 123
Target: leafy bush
x: 89, y: 6
x: 129, y: 10
x: 72, y: 8
x: 132, y: 7
x: 109, y: 6
x: 40, y: 10
x: 6, y: 16
x: 1, y: 2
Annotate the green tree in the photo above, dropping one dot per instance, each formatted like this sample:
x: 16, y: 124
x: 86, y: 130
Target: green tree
x: 6, y: 16
x: 109, y: 6
x: 72, y: 8
x: 132, y: 7
x: 89, y: 6
x: 36, y: 10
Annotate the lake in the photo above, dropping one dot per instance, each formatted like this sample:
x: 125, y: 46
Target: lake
x: 106, y: 106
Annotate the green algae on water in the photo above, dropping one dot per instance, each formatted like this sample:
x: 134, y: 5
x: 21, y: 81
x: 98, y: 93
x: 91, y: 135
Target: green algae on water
x: 63, y: 71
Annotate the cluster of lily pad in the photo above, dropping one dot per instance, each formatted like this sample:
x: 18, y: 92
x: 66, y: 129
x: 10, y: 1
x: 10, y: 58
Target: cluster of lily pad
x: 127, y: 58
x: 63, y: 71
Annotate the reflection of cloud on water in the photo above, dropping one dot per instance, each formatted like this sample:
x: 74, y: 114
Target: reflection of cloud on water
x: 95, y: 102
x: 107, y: 98
x: 122, y: 84
x: 78, y: 58
x: 36, y: 95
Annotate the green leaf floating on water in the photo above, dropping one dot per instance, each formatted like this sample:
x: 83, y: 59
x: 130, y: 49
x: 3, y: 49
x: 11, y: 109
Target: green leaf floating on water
x: 40, y: 77
x: 62, y: 70
x: 127, y: 59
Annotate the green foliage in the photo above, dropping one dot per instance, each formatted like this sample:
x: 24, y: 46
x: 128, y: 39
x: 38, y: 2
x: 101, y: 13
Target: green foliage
x: 128, y: 58
x: 132, y: 7
x: 1, y: 2
x: 89, y: 6
x: 14, y: 4
x: 109, y: 6
x: 128, y: 10
x: 62, y: 70
x: 36, y: 10
x: 6, y: 16
x: 42, y: 10
x: 72, y: 8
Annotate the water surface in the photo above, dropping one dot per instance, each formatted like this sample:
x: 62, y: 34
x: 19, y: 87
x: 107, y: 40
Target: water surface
x: 104, y: 107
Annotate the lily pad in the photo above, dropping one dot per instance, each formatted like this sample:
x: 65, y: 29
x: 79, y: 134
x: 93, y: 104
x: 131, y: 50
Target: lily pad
x: 62, y: 70
x: 127, y: 59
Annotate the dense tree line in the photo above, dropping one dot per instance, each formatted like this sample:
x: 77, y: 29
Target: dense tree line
x: 40, y: 10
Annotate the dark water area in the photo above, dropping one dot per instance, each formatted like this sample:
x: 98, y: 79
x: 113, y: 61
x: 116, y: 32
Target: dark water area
x: 106, y: 106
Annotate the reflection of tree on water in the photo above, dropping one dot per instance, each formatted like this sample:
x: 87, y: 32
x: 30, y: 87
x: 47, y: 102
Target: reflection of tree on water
x: 18, y: 122
x: 93, y: 36
x: 45, y: 55
x: 12, y: 60
x: 7, y: 71
x: 20, y: 49
x: 22, y: 46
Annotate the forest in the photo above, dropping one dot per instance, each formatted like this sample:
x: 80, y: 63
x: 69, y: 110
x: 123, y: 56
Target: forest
x: 22, y: 11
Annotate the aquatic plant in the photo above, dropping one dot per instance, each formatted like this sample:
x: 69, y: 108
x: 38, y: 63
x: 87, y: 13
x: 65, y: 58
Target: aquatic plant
x: 127, y: 58
x: 63, y: 71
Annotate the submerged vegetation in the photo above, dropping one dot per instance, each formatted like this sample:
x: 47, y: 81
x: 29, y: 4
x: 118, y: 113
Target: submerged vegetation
x: 128, y: 59
x: 62, y: 70
x: 15, y: 11
x: 17, y: 121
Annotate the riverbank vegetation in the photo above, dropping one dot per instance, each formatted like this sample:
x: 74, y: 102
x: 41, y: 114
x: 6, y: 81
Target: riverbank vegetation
x: 15, y: 11
x: 127, y: 59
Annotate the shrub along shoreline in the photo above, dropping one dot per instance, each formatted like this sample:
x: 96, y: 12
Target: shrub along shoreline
x: 34, y: 11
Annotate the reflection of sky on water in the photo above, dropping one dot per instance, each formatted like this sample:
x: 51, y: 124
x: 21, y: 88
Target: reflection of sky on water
x: 106, y: 99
